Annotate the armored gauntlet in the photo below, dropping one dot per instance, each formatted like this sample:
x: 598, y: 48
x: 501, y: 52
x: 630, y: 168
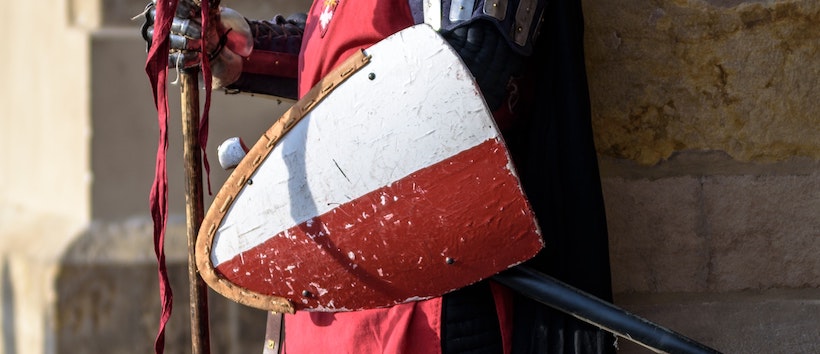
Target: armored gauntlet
x: 226, y: 42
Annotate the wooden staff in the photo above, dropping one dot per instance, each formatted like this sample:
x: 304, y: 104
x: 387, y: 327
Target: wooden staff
x: 194, y: 206
x: 194, y: 210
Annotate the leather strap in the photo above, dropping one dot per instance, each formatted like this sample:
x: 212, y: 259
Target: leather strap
x: 272, y: 63
x: 274, y: 333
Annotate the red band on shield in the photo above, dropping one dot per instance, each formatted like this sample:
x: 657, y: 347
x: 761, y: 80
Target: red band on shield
x: 371, y: 251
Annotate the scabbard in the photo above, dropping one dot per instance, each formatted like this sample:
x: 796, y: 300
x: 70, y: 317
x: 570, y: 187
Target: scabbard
x: 274, y: 333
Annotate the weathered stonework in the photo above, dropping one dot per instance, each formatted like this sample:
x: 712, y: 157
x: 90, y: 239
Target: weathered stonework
x: 106, y: 289
x: 729, y: 75
x: 770, y: 321
x: 737, y: 227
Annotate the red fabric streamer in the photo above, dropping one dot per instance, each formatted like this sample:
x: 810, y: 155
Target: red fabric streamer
x: 206, y: 76
x: 156, y: 66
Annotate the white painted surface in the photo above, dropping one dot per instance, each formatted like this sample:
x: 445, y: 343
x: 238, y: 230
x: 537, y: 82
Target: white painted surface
x: 421, y: 107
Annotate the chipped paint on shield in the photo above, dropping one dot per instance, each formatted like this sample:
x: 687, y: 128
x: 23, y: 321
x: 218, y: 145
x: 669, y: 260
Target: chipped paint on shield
x: 435, y: 196
x: 407, y: 195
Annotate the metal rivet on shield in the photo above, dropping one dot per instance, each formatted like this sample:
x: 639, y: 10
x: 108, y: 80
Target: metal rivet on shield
x: 449, y: 260
x: 250, y: 181
x: 306, y: 293
x: 371, y: 76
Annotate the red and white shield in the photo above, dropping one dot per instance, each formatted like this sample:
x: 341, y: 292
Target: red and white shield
x: 393, y: 188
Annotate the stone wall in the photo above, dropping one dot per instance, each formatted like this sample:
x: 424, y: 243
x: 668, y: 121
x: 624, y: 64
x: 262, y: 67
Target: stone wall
x: 706, y: 116
x: 727, y: 75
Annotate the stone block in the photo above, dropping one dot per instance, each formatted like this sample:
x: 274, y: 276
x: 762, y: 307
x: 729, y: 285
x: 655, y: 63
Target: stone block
x: 98, y: 293
x: 720, y: 225
x: 735, y: 76
x: 114, y: 308
x: 770, y: 321
x: 763, y: 231
x: 656, y: 244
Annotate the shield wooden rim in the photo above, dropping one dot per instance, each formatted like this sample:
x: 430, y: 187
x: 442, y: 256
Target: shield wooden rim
x: 237, y: 181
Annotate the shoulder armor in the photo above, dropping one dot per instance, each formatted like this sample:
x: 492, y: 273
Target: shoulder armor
x: 518, y: 20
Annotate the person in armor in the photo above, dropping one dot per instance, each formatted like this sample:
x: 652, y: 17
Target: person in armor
x: 527, y: 58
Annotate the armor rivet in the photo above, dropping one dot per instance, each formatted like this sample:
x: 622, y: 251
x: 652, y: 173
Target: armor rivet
x: 250, y: 181
x: 306, y: 293
x: 371, y: 76
x: 449, y: 260
x: 271, y: 344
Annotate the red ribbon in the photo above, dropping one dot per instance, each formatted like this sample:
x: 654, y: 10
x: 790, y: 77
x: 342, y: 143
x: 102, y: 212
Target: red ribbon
x: 206, y: 76
x: 156, y: 66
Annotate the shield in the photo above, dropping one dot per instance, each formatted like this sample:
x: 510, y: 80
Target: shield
x: 392, y: 184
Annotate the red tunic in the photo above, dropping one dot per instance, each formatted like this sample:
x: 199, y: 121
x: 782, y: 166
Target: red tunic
x: 335, y: 30
x: 338, y: 28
